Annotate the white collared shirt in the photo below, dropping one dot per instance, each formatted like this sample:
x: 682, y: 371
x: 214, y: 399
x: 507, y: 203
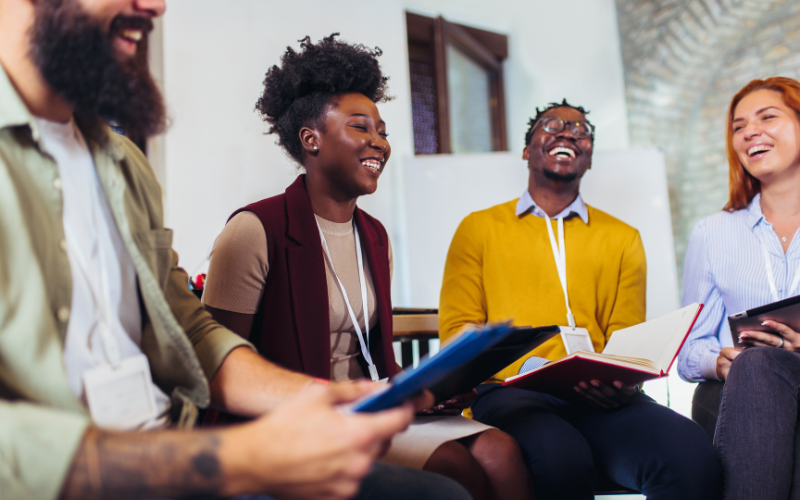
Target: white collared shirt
x: 578, y: 207
x: 93, y: 241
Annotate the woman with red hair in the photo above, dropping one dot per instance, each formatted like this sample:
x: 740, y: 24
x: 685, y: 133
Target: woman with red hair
x: 738, y: 259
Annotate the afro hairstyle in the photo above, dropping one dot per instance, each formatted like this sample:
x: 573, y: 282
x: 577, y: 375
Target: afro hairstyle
x: 539, y: 112
x: 298, y: 93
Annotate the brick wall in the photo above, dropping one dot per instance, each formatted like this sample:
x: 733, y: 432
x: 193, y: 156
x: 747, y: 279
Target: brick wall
x: 684, y: 60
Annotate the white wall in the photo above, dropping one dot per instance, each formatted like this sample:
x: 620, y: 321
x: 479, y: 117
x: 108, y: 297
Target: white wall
x: 217, y: 157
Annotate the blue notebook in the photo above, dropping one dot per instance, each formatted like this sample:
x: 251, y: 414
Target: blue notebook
x: 434, y: 369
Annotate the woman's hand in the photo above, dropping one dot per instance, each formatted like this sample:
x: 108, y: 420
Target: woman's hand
x: 724, y: 360
x: 452, y: 406
x: 786, y: 338
x: 607, y: 397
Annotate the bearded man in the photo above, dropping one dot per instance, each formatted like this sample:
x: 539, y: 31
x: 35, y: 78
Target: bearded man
x: 100, y: 336
x: 507, y: 262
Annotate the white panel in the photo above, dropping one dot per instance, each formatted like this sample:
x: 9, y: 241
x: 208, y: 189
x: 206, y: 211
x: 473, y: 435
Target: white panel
x: 632, y: 186
x: 441, y: 191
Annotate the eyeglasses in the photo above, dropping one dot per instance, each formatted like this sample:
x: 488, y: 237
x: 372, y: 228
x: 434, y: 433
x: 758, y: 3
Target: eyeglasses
x: 553, y: 125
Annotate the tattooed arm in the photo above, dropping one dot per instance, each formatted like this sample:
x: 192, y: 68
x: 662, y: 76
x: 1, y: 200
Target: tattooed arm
x: 306, y: 448
x: 168, y: 464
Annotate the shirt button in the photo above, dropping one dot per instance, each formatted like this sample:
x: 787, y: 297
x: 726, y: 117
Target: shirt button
x: 63, y: 244
x: 63, y: 314
x: 57, y: 183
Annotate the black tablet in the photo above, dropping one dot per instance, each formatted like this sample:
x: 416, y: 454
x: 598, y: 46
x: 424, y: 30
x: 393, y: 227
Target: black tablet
x: 786, y: 311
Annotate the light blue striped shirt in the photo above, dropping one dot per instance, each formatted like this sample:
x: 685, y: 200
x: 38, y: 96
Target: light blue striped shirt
x: 526, y: 203
x: 725, y: 271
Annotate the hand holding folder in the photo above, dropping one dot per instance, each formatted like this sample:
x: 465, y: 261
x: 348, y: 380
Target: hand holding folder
x: 474, y: 356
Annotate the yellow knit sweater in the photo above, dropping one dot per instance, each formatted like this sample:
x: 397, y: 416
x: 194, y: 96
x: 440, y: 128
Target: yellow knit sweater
x: 500, y: 267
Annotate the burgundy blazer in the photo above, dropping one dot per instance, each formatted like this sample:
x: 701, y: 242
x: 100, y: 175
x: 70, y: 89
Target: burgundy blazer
x: 292, y: 325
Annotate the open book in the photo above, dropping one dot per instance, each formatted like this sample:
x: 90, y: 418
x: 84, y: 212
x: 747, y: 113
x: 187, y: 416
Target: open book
x: 632, y: 355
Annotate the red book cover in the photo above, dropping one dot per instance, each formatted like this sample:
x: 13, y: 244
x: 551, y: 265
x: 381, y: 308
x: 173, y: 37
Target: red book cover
x: 559, y: 378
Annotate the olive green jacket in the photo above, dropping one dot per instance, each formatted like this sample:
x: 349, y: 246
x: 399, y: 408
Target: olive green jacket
x: 41, y: 420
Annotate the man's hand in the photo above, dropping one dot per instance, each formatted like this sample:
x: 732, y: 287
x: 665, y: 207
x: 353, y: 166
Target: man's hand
x: 724, y: 360
x: 307, y: 447
x: 790, y: 342
x: 452, y: 406
x: 607, y: 397
x: 420, y: 402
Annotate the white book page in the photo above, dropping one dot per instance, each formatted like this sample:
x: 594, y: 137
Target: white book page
x: 657, y: 340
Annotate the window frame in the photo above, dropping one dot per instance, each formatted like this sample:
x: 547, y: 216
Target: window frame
x: 427, y: 42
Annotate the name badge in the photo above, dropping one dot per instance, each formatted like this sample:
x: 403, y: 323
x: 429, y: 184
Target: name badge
x: 121, y: 398
x: 576, y: 339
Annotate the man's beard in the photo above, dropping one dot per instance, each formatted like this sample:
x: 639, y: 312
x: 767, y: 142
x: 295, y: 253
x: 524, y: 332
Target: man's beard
x: 553, y: 176
x: 77, y: 59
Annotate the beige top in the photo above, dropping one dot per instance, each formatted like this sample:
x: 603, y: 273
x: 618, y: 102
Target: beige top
x: 239, y: 268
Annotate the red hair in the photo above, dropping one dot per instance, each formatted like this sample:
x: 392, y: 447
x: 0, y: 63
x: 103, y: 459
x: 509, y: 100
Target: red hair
x: 744, y: 187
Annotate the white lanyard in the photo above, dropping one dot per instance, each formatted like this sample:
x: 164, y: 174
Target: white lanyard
x: 771, y: 276
x: 561, y: 262
x: 364, y: 341
x: 110, y: 345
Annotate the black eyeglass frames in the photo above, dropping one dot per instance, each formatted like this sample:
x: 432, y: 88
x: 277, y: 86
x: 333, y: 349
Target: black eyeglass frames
x: 553, y: 125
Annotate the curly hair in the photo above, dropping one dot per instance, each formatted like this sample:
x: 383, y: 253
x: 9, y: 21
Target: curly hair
x: 539, y: 112
x: 298, y: 93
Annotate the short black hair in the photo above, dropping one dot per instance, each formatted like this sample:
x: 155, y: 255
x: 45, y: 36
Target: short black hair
x: 298, y: 93
x: 539, y: 112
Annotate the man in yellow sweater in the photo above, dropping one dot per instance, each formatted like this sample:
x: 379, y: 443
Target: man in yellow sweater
x: 584, y: 270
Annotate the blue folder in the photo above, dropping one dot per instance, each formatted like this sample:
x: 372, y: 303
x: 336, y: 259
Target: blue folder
x: 434, y: 369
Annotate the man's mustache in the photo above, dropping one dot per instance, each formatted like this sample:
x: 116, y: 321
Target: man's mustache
x: 121, y: 22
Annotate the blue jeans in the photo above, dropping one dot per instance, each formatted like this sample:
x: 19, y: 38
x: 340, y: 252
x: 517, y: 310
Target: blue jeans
x: 757, y: 436
x: 642, y: 446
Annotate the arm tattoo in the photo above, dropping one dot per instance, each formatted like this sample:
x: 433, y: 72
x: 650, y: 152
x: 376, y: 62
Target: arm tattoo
x: 166, y: 464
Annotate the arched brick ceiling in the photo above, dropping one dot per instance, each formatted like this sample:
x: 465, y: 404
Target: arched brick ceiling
x: 684, y: 61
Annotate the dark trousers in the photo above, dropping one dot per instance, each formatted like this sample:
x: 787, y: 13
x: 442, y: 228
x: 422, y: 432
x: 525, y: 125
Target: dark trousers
x: 642, y: 446
x: 705, y: 405
x: 757, y: 436
x: 392, y: 482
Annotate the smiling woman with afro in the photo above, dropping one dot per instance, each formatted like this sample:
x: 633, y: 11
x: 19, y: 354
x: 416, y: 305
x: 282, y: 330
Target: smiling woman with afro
x: 305, y: 263
x: 298, y: 93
